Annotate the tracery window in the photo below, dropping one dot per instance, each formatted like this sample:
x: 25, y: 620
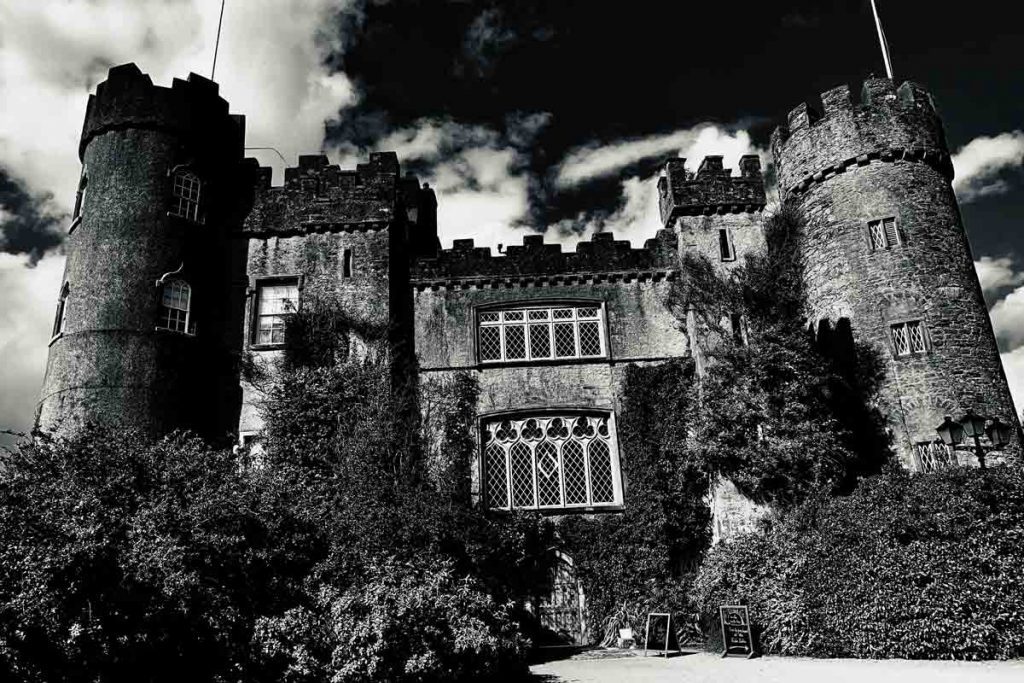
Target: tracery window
x: 550, y: 462
x: 185, y: 191
x: 175, y: 308
x: 274, y: 302
x: 884, y: 234
x: 908, y: 338
x: 541, y: 333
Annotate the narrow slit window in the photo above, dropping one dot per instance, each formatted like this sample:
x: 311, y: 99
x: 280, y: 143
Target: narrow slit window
x: 60, y: 318
x: 83, y: 183
x: 176, y: 308
x: 725, y: 245
x: 346, y: 263
x: 736, y: 323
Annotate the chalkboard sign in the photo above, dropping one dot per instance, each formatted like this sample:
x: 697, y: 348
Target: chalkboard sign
x: 736, y: 635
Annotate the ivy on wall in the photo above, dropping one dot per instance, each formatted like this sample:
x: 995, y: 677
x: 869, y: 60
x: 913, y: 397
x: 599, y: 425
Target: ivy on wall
x: 644, y: 559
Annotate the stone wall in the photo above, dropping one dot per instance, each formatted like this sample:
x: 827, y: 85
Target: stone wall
x: 111, y: 364
x: 886, y: 157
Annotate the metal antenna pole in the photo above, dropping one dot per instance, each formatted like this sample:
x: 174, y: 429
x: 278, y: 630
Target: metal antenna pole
x: 882, y: 42
x: 216, y: 45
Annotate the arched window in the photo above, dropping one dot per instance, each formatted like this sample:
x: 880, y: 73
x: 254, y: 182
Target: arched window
x: 62, y: 306
x: 175, y: 308
x: 550, y: 461
x: 186, y: 195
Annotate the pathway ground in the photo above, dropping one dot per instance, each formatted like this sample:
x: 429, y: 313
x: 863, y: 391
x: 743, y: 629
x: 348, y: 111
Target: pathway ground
x: 709, y: 668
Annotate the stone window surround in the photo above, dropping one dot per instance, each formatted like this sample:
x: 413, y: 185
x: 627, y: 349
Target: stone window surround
x: 901, y: 238
x: 728, y: 244
x: 480, y: 494
x: 904, y: 320
x: 543, y: 302
x: 252, y: 294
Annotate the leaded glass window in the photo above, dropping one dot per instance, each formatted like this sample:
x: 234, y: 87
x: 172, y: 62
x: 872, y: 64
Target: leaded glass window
x: 933, y: 456
x: 274, y: 302
x: 550, y: 461
x: 908, y: 338
x: 883, y: 233
x: 541, y: 333
x: 185, y: 191
x: 175, y: 308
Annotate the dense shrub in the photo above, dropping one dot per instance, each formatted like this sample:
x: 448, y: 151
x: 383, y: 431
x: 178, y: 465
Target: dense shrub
x: 643, y: 559
x: 401, y: 623
x: 914, y: 566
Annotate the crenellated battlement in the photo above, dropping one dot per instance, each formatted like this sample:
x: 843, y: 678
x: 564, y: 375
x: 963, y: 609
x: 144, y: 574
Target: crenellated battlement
x: 318, y: 196
x: 541, y: 263
x: 191, y: 109
x: 712, y: 189
x: 885, y: 123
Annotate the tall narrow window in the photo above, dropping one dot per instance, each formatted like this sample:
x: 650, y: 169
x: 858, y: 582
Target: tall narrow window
x: 884, y: 234
x: 725, y: 245
x: 176, y: 308
x: 186, y: 189
x: 541, y: 333
x: 80, y: 195
x: 736, y: 323
x: 60, y: 317
x: 346, y: 263
x: 550, y: 462
x: 908, y: 338
x: 274, y: 303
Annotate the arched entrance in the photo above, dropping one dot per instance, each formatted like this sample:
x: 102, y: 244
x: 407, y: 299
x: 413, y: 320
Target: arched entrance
x: 562, y: 611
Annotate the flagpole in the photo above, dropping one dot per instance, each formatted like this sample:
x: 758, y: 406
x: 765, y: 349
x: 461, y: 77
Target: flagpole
x: 216, y: 46
x: 881, y: 41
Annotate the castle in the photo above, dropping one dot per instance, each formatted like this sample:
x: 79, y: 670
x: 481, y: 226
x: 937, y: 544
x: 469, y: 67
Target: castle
x: 182, y: 256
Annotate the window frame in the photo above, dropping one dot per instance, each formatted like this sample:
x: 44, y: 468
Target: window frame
x: 897, y: 231
x: 193, y: 212
x: 730, y: 244
x: 904, y: 326
x: 618, y: 487
x: 537, y: 305
x: 60, y: 317
x: 255, y: 286
x: 190, y: 325
x: 83, y: 187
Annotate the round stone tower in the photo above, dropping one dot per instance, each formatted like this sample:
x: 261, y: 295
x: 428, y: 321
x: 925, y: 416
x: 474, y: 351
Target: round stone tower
x: 883, y: 247
x: 144, y: 321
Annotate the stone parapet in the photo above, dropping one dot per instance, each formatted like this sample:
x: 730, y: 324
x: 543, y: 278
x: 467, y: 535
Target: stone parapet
x: 712, y: 189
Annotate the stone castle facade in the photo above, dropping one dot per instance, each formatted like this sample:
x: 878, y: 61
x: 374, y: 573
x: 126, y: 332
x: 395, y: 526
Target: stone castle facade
x: 182, y: 257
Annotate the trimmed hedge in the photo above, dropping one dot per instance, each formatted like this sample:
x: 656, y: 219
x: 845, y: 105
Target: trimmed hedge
x: 927, y: 566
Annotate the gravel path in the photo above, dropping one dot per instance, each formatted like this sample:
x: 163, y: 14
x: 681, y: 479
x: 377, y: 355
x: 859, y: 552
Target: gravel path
x: 708, y: 668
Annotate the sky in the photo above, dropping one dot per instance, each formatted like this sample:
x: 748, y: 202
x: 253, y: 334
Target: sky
x: 526, y: 116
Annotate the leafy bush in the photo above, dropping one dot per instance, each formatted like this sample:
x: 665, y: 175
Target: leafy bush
x: 913, y: 566
x: 643, y: 559
x: 403, y: 623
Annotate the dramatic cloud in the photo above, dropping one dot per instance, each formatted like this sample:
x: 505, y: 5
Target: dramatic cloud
x: 981, y: 163
x: 26, y: 317
x: 638, y: 217
x: 1008, y: 320
x: 272, y: 66
x: 54, y: 53
x: 480, y: 175
x: 596, y: 161
x: 997, y: 274
x: 1013, y: 365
